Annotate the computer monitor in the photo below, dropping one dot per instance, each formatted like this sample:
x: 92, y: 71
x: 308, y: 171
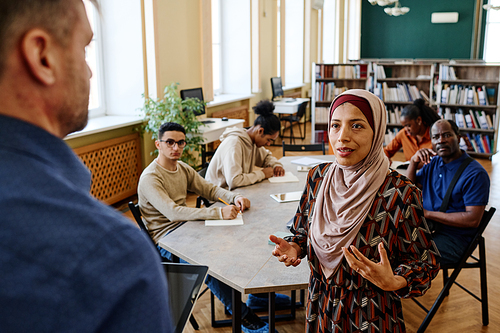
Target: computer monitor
x: 194, y: 93
x: 276, y: 87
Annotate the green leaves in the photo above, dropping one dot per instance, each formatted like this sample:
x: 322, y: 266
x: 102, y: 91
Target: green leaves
x: 171, y: 108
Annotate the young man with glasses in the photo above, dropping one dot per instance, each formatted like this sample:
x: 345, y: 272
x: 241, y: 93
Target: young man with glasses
x: 162, y: 191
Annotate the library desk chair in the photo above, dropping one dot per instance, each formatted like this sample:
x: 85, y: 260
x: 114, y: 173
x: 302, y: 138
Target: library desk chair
x: 134, y: 208
x: 310, y: 147
x: 476, y: 262
x: 200, y: 199
x: 295, y: 119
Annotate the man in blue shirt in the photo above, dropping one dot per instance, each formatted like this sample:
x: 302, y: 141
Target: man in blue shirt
x: 458, y: 224
x: 68, y: 263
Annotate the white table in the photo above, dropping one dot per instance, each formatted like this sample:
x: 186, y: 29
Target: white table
x: 240, y: 256
x: 212, y: 131
x: 288, y: 106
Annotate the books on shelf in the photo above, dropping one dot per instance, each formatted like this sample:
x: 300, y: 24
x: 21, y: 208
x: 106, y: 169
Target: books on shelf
x: 403, y: 92
x: 321, y: 115
x: 479, y: 119
x: 394, y: 115
x: 464, y: 95
x: 355, y: 71
x: 390, y: 134
x: 327, y: 91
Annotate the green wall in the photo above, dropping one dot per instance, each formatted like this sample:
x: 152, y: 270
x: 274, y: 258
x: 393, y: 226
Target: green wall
x: 413, y: 35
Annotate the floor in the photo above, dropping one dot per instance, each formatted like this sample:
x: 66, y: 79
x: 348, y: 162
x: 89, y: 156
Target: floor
x: 458, y: 313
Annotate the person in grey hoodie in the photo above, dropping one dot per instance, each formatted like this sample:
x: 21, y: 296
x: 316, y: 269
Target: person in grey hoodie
x: 241, y: 150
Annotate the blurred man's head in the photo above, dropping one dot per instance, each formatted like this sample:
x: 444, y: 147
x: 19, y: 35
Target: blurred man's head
x: 445, y: 138
x: 42, y: 55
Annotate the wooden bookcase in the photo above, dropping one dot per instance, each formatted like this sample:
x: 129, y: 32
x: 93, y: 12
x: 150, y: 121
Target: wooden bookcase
x: 393, y: 80
x: 459, y: 91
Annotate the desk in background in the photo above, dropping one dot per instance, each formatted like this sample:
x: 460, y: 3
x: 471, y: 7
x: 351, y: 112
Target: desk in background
x: 288, y: 106
x: 212, y: 131
x: 240, y: 256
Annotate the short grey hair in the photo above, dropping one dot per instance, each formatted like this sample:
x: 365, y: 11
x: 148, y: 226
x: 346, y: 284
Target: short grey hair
x: 19, y: 16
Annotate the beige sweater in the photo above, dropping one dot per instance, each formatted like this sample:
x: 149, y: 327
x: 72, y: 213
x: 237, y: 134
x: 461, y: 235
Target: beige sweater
x: 162, y: 197
x: 233, y: 164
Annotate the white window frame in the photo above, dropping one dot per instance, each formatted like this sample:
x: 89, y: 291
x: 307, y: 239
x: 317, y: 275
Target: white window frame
x: 97, y: 72
x: 494, y: 55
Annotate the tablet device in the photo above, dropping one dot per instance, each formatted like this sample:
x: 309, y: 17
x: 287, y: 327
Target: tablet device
x: 184, y: 285
x: 287, y: 197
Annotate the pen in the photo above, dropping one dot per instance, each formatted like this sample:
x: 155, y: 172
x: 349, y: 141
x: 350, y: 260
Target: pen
x: 227, y: 204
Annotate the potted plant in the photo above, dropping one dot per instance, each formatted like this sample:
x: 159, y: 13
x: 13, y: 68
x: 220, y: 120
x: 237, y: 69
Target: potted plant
x: 172, y: 108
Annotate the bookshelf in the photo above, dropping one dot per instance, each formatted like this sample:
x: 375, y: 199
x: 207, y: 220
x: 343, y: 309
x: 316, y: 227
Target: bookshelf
x: 468, y: 94
x: 328, y: 81
x: 399, y: 83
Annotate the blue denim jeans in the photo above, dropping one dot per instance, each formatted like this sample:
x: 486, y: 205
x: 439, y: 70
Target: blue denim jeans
x: 221, y: 290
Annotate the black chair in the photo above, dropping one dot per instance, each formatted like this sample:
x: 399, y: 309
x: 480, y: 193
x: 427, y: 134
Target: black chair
x: 134, y: 208
x: 477, y: 262
x: 136, y: 212
x: 200, y: 199
x: 295, y: 119
x: 303, y: 148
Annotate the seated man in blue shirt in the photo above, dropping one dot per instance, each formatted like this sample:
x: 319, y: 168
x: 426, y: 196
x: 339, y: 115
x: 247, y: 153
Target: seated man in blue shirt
x: 457, y: 225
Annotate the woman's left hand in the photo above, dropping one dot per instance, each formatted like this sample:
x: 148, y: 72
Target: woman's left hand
x: 380, y: 274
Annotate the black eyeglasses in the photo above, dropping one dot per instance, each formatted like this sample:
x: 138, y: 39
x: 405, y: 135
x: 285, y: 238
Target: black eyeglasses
x: 170, y: 143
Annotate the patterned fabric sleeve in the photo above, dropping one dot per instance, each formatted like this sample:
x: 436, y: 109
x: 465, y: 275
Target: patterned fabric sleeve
x: 300, y: 227
x: 417, y: 252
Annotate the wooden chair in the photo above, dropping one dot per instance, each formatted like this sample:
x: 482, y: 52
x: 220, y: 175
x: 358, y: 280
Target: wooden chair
x: 477, y: 262
x: 310, y: 147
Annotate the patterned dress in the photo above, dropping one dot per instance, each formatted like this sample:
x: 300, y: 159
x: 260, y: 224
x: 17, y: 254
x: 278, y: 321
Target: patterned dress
x: 347, y: 302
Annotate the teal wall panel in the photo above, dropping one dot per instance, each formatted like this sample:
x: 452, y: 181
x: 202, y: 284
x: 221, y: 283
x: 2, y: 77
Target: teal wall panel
x: 413, y: 35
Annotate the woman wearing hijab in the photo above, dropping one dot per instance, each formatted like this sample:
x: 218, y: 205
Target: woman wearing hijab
x: 362, y: 228
x: 416, y: 120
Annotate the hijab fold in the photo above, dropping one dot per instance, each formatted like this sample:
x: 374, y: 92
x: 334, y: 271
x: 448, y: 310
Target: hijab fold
x: 347, y: 193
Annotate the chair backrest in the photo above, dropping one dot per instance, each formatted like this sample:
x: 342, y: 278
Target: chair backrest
x: 310, y: 147
x: 487, y: 215
x: 302, y: 109
x: 136, y: 212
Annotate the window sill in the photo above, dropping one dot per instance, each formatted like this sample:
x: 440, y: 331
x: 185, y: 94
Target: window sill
x: 106, y: 123
x: 227, y: 98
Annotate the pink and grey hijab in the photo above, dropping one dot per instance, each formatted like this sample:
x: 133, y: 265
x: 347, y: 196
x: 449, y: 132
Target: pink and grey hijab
x: 347, y: 192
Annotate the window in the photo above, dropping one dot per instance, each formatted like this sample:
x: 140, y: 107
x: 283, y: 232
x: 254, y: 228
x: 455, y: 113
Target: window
x: 231, y: 47
x: 94, y: 60
x: 216, y: 48
x: 491, y: 45
x: 294, y: 42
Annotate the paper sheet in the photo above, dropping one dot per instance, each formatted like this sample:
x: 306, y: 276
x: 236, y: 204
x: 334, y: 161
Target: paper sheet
x: 215, y: 223
x: 309, y: 161
x: 289, y: 177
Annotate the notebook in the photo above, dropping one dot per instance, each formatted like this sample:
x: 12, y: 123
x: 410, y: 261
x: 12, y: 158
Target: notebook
x: 184, y: 285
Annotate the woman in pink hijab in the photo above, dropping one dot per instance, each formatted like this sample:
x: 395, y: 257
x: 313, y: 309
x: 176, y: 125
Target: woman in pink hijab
x: 362, y: 228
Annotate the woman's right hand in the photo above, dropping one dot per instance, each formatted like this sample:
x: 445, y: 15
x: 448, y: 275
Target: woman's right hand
x: 286, y: 252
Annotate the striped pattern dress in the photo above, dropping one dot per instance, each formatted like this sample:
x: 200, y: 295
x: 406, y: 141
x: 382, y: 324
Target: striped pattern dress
x: 347, y: 302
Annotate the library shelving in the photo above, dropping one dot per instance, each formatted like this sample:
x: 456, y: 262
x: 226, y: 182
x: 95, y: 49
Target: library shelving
x: 468, y: 94
x: 328, y: 81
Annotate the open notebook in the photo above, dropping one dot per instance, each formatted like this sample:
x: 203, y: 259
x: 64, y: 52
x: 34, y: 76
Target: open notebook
x: 184, y: 285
